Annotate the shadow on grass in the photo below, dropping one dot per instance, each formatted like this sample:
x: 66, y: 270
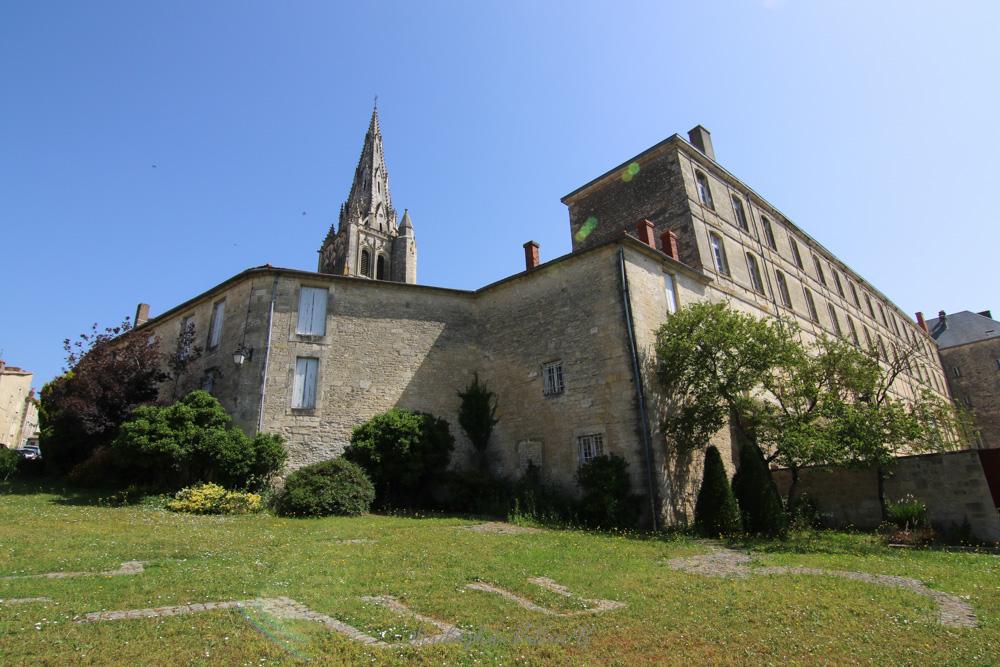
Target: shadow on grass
x: 63, y: 494
x: 826, y: 542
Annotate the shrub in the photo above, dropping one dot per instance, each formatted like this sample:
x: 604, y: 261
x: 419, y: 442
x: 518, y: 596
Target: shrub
x: 608, y: 501
x: 100, y: 469
x: 476, y: 492
x: 535, y: 501
x: 477, y: 417
x: 404, y: 454
x: 760, y: 503
x: 907, y: 512
x: 805, y: 514
x: 715, y: 512
x: 194, y: 440
x: 337, y: 486
x: 214, y: 499
x: 9, y: 460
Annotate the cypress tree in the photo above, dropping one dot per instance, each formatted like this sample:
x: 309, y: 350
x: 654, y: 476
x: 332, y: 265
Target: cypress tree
x: 760, y: 503
x: 716, y: 512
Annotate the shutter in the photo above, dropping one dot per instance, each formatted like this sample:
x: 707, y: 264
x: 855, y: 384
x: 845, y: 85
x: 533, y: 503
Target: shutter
x: 305, y: 311
x: 318, y: 322
x: 298, y: 384
x: 309, y: 392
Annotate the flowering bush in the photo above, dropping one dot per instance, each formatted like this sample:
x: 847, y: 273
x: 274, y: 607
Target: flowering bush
x: 907, y: 512
x: 213, y: 499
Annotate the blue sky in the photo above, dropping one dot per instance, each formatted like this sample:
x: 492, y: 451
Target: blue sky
x: 870, y: 124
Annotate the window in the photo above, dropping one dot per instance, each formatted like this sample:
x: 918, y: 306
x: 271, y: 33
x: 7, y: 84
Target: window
x: 208, y: 381
x: 590, y: 446
x: 380, y: 268
x: 836, y: 281
x: 956, y: 371
x: 834, y: 319
x: 795, y: 252
x: 741, y: 215
x: 312, y: 311
x: 854, y: 331
x: 366, y: 263
x: 819, y: 270
x: 854, y: 294
x: 671, y: 293
x: 881, y: 312
x: 895, y: 324
x: 215, y: 330
x: 967, y: 401
x: 719, y: 253
x: 786, y: 298
x: 755, y: 280
x: 810, y: 304
x: 704, y: 193
x: 768, y: 233
x: 881, y: 349
x: 552, y: 375
x: 304, y: 384
x: 871, y: 309
x: 185, y: 339
x: 868, y: 340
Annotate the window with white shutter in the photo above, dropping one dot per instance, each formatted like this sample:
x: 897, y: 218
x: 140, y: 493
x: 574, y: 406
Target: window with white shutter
x: 671, y: 293
x: 312, y: 311
x: 215, y: 330
x: 304, y: 384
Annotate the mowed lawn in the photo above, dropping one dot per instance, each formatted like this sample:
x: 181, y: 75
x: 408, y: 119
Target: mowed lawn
x: 670, y: 617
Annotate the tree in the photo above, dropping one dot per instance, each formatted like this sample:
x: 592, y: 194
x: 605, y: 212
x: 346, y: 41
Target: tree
x: 715, y: 512
x: 760, y: 503
x: 185, y: 353
x: 607, y: 500
x: 108, y: 374
x: 477, y: 417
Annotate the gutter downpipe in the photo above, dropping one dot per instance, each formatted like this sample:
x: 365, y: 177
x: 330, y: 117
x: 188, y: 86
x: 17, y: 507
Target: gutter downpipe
x: 640, y: 392
x: 267, y: 355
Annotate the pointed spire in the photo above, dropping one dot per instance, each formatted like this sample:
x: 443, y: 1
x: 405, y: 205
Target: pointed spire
x: 405, y: 225
x: 370, y: 188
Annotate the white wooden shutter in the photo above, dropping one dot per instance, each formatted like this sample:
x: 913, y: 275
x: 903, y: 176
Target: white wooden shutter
x: 299, y: 382
x: 309, y: 391
x: 217, y: 314
x: 305, y: 311
x: 318, y: 326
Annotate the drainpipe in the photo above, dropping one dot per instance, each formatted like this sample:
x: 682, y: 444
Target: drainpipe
x: 267, y: 356
x: 640, y: 391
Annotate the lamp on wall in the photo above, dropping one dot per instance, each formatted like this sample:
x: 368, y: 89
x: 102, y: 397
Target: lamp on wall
x: 241, y: 354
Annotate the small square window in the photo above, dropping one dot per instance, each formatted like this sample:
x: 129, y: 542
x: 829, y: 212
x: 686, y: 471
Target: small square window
x: 590, y: 447
x: 552, y: 375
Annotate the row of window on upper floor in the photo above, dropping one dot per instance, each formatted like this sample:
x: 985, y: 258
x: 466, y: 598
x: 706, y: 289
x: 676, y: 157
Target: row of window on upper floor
x: 784, y: 297
x: 742, y: 221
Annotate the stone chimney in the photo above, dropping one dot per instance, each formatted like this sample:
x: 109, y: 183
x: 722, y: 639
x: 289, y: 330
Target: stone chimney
x: 531, y: 255
x: 701, y: 139
x: 645, y: 232
x: 986, y: 313
x: 942, y: 318
x: 141, y: 314
x: 920, y: 321
x: 668, y: 242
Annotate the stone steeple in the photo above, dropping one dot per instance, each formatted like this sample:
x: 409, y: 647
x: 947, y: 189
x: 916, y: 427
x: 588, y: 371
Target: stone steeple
x: 369, y: 242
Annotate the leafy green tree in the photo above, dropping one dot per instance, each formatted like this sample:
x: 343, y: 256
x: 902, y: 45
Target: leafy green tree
x: 194, y: 440
x: 715, y: 512
x: 404, y: 454
x: 477, y: 417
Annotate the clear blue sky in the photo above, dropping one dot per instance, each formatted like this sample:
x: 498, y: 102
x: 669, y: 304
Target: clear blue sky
x: 873, y: 125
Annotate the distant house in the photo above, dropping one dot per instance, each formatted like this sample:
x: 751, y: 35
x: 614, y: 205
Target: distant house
x: 969, y: 345
x: 18, y: 412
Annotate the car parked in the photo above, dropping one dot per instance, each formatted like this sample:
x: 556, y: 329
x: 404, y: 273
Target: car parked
x: 30, y: 452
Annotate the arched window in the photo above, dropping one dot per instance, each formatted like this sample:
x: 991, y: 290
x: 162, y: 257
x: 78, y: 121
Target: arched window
x: 366, y: 264
x: 755, y: 278
x: 704, y: 192
x: 380, y: 267
x: 719, y: 253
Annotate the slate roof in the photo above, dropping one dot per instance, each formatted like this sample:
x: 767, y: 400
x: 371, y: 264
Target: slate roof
x: 961, y: 328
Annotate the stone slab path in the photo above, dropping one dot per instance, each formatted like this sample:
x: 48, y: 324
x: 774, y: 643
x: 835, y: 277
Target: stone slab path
x: 593, y: 606
x: 952, y: 610
x: 287, y: 608
x: 125, y: 569
x: 500, y: 528
x: 23, y: 600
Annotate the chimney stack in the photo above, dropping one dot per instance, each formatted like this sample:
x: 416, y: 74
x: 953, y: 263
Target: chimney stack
x: 668, y: 241
x: 920, y: 321
x: 701, y: 139
x: 986, y: 313
x: 141, y: 314
x: 531, y: 255
x: 645, y: 232
x: 943, y: 317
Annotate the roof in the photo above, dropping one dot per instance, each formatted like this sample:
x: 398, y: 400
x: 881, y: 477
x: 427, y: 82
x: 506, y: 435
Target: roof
x: 962, y: 328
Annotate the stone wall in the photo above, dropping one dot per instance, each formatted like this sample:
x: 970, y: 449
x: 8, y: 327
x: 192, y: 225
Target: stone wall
x: 977, y: 384
x: 952, y: 485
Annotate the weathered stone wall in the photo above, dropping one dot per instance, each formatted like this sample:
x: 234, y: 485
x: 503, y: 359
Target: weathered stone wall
x: 952, y: 485
x: 977, y: 384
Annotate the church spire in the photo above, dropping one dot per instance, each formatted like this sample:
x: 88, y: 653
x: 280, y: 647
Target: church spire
x: 369, y: 200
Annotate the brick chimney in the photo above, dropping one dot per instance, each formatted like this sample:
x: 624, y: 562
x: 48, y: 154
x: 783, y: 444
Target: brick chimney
x: 531, y: 255
x: 920, y: 321
x: 701, y: 139
x: 645, y: 232
x: 668, y: 243
x: 141, y: 314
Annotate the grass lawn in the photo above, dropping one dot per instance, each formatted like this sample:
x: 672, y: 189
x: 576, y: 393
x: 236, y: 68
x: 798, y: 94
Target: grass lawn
x: 670, y: 617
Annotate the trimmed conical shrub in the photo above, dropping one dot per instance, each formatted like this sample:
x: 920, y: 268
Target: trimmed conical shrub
x: 760, y: 503
x: 716, y: 512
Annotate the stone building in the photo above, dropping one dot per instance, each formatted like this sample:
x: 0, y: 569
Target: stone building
x: 566, y: 344
x: 18, y: 412
x: 969, y: 345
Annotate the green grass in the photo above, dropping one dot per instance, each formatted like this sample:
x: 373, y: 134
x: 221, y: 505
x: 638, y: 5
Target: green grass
x: 671, y: 618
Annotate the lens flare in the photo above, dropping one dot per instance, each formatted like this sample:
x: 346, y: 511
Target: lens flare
x: 630, y: 171
x: 588, y: 226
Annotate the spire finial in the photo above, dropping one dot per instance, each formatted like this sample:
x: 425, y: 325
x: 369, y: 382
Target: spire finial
x: 376, y: 101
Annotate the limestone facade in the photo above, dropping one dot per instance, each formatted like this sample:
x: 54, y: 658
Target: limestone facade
x: 18, y: 412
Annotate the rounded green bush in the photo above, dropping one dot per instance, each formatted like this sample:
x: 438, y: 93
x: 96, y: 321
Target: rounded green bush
x: 9, y: 460
x: 337, y: 486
